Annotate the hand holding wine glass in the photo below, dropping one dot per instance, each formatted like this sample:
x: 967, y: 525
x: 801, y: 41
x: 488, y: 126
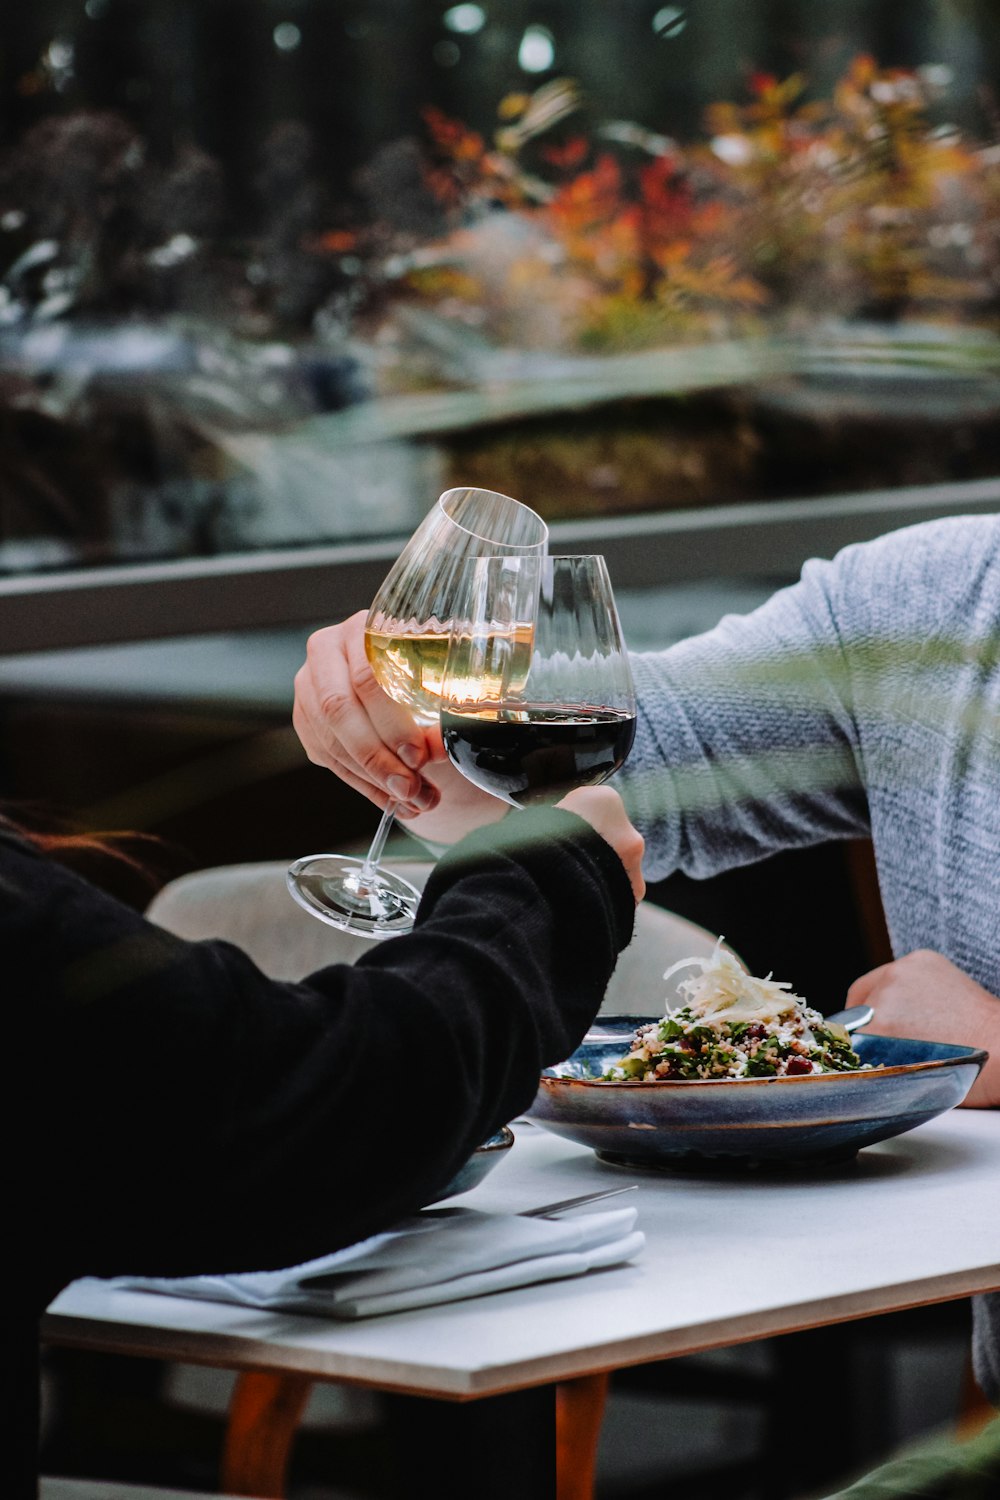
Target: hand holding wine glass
x: 406, y: 642
x: 538, y: 695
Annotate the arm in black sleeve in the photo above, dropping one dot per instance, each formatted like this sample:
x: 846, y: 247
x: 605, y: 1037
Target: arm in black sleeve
x: 210, y: 1118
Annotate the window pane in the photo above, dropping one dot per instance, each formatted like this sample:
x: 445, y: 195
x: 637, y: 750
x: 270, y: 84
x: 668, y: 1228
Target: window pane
x: 275, y: 272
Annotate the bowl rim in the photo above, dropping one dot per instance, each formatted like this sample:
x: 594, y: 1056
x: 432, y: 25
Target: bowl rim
x: 962, y: 1054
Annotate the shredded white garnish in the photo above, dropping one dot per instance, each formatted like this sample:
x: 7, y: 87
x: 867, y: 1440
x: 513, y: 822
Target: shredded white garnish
x: 728, y: 1024
x: 725, y: 991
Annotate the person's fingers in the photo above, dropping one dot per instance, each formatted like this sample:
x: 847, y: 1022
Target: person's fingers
x: 348, y: 725
x: 319, y: 745
x: 381, y: 799
x: 320, y: 741
x: 865, y: 986
x: 379, y: 736
x: 604, y: 810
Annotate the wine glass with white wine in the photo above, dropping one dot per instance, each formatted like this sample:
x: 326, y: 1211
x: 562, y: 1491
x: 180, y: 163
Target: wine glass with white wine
x: 407, y: 635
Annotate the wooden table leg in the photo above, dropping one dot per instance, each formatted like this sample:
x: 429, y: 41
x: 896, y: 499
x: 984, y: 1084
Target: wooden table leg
x: 499, y: 1448
x: 975, y: 1411
x: 580, y: 1407
x: 264, y: 1416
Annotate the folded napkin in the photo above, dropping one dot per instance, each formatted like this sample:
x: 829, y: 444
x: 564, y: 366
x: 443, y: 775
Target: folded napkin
x: 440, y: 1255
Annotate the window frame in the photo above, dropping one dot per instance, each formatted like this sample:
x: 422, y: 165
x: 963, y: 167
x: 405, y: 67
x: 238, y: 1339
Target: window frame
x: 307, y: 585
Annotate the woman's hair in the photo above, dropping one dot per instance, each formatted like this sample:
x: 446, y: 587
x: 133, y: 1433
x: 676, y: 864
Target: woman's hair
x: 59, y: 842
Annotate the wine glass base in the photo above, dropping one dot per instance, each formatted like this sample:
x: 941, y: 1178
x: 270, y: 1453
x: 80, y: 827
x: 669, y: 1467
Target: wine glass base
x: 329, y: 886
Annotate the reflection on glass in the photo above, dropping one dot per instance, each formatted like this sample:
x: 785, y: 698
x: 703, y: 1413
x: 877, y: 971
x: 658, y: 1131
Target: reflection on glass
x: 634, y: 256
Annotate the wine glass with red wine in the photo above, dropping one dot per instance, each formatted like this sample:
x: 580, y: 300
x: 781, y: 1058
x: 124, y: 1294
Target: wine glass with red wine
x: 537, y: 696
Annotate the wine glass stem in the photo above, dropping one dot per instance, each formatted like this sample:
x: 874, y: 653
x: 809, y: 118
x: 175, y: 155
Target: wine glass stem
x: 370, y: 867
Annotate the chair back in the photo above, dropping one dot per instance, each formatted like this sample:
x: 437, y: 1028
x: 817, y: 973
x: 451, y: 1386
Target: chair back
x: 249, y: 905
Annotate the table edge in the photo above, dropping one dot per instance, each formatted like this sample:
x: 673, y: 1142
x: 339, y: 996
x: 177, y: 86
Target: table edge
x: 242, y: 1352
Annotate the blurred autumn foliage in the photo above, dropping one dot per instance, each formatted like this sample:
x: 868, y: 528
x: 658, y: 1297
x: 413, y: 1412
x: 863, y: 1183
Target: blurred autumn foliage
x: 790, y: 207
x: 558, y: 233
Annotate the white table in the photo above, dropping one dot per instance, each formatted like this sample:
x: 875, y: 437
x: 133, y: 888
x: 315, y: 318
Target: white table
x: 727, y: 1259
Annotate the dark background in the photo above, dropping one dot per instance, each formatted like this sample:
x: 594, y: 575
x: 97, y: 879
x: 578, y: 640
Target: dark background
x: 208, y: 72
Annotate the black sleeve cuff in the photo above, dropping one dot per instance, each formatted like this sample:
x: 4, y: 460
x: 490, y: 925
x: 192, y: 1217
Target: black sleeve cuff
x: 550, y: 844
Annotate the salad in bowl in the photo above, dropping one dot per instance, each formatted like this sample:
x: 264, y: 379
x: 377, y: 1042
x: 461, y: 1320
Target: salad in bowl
x: 741, y: 1072
x: 731, y: 1025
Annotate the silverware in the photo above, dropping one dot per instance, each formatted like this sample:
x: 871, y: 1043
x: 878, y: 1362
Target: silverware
x: 853, y: 1018
x: 595, y: 1034
x: 548, y: 1209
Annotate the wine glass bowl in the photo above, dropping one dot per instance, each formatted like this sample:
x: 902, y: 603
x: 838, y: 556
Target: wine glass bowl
x: 407, y: 636
x: 538, y: 694
x: 409, y: 623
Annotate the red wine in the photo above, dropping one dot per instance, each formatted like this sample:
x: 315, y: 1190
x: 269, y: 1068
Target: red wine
x: 533, y: 752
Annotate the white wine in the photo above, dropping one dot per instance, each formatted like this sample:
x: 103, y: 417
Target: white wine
x: 410, y: 667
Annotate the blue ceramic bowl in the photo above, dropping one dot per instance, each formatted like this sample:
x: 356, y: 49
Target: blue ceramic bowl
x: 811, y: 1120
x: 482, y: 1161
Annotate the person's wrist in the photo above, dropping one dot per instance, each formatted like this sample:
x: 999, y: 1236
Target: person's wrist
x: 432, y: 846
x: 985, y: 1092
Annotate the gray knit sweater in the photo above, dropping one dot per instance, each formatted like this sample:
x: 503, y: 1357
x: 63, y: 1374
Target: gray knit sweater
x: 863, y: 700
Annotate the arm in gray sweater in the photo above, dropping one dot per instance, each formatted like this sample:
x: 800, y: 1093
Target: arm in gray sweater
x: 866, y: 698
